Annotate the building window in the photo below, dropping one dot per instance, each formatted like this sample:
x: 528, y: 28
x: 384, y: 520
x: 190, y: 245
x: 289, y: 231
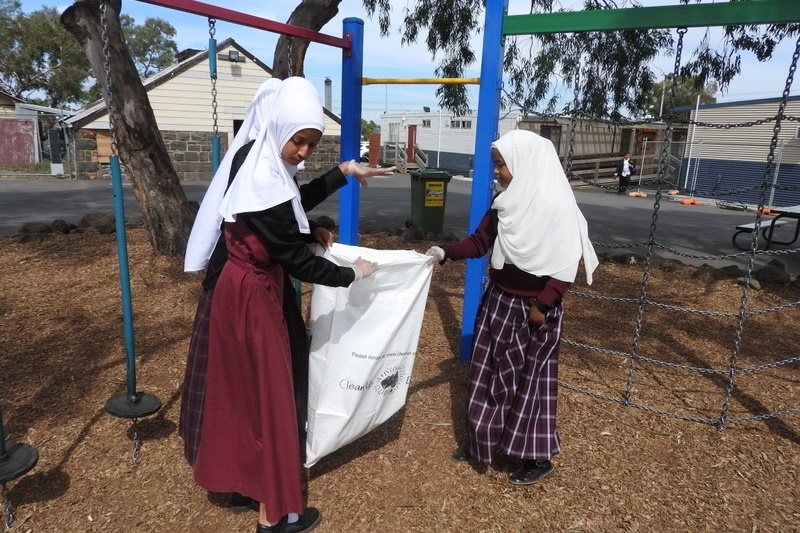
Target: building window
x: 426, y: 123
x: 466, y: 124
x: 455, y: 124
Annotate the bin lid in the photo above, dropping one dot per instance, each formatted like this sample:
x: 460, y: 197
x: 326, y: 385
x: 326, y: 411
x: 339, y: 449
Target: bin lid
x: 430, y: 173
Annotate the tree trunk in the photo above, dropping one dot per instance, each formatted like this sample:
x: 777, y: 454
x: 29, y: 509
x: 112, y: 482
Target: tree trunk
x: 166, y: 211
x: 310, y: 14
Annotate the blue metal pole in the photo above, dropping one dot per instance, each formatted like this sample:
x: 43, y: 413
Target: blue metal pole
x: 215, y: 149
x: 212, y: 57
x: 352, y: 72
x: 124, y: 276
x: 488, y: 111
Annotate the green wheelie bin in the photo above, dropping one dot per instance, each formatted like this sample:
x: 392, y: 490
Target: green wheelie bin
x: 428, y: 198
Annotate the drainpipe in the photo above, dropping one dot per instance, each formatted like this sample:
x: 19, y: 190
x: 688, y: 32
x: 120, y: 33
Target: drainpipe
x: 328, y: 97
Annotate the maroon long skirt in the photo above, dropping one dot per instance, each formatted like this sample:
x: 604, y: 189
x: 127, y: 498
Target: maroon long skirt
x: 249, y: 438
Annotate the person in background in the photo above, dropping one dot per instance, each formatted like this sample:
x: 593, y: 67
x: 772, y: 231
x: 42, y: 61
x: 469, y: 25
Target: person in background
x: 625, y: 169
x: 538, y: 237
x: 249, y: 439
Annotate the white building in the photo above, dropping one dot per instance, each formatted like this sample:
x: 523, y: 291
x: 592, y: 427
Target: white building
x: 181, y: 98
x: 446, y: 139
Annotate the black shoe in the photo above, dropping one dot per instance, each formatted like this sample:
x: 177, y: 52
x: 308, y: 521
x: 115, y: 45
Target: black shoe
x: 241, y: 503
x: 274, y: 528
x: 307, y: 521
x: 461, y: 453
x: 532, y: 472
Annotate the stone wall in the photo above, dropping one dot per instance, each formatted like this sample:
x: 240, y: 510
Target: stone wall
x: 325, y: 157
x: 86, y: 165
x: 190, y: 152
x: 191, y: 155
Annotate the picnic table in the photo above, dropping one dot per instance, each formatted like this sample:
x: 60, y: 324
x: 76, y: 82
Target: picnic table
x: 767, y: 226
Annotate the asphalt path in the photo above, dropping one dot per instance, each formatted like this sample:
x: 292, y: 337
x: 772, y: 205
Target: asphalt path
x: 694, y: 234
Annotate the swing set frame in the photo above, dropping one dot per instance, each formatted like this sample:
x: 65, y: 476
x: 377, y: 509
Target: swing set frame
x: 498, y: 25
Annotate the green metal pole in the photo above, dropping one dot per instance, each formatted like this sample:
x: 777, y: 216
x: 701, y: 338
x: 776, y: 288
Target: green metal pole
x: 641, y: 18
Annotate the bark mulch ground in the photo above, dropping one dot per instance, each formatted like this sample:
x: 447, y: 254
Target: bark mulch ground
x: 622, y: 468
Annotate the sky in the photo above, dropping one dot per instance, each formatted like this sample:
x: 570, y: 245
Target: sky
x: 387, y: 58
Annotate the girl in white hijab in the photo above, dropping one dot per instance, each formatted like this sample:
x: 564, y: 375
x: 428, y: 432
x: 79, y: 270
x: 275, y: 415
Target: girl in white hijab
x: 537, y: 236
x: 249, y: 443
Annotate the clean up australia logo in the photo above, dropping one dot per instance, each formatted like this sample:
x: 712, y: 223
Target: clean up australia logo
x: 391, y: 378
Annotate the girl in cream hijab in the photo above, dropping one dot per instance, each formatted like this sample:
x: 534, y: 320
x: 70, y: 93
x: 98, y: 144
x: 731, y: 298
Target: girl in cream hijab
x: 538, y: 238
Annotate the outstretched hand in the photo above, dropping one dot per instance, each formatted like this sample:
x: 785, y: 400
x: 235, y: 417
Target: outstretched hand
x: 362, y: 172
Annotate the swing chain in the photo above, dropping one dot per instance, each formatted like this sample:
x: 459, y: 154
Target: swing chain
x: 651, y: 240
x: 573, y: 124
x: 212, y: 30
x: 137, y: 443
x: 107, y: 69
x: 677, y: 68
x: 754, y: 243
x: 7, y: 510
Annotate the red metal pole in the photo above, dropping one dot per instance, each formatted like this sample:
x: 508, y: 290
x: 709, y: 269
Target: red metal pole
x: 220, y: 13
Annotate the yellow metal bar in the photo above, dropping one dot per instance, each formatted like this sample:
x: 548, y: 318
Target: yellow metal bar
x: 419, y: 81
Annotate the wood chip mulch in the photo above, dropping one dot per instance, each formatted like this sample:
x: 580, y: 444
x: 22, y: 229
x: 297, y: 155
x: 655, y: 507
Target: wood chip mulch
x: 622, y: 468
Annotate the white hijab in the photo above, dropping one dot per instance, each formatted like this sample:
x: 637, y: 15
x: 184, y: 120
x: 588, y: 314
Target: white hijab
x: 541, y: 230
x: 278, y: 111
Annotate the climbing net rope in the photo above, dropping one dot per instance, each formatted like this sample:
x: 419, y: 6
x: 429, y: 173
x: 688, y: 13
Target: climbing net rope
x: 656, y: 332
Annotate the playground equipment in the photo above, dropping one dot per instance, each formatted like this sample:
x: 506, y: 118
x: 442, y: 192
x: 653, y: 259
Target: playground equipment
x: 498, y: 25
x: 132, y: 404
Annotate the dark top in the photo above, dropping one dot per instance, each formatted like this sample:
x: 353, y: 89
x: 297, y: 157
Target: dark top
x: 510, y: 278
x: 621, y: 165
x: 277, y: 222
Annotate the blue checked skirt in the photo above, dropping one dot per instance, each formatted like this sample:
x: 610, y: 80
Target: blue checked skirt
x: 513, y: 380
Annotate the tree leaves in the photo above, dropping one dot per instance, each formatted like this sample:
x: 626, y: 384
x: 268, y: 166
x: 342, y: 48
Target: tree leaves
x: 613, y: 69
x: 42, y: 62
x: 150, y: 45
x: 40, y: 56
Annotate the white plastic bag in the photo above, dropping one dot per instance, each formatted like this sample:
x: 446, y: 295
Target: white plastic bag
x: 363, y: 343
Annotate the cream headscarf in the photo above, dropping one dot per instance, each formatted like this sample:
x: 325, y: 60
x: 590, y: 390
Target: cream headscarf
x: 541, y: 230
x: 278, y: 111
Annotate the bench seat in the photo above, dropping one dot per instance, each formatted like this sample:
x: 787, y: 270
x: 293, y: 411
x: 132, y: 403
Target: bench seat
x: 764, y: 225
